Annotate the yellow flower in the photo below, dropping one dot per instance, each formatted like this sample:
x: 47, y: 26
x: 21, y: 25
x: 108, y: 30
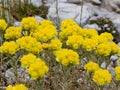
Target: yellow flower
x: 66, y: 23
x: 102, y: 77
x: 27, y: 60
x: 45, y: 46
x: 69, y: 28
x: 89, y: 33
x: 38, y: 69
x: 3, y: 24
x: 44, y: 34
x: 55, y: 44
x: 102, y: 39
x: 114, y: 48
x: 29, y: 24
x: 67, y: 57
x: 107, y: 35
x: 91, y: 66
x: 45, y: 23
x: 9, y: 47
x: 29, y: 44
x: 103, y: 49
x: 17, y: 87
x: 117, y: 72
x: 13, y: 32
x: 75, y: 41
x: 107, y: 48
x: 89, y: 44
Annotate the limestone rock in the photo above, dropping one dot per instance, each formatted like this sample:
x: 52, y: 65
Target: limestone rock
x: 67, y: 10
x: 92, y: 26
x: 111, y: 5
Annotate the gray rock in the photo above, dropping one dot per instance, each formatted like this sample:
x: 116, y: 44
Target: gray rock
x: 97, y: 2
x: 114, y: 17
x: 17, y: 23
x: 111, y: 5
x: 67, y: 10
x: 114, y: 57
x: 92, y: 26
x: 22, y: 74
x: 36, y: 2
x: 116, y: 21
x: 38, y: 18
x: 119, y: 44
x: 103, y: 65
x: 10, y: 76
x: 74, y: 1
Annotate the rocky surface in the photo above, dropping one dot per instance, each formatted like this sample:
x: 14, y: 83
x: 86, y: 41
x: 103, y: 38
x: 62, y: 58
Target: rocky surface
x: 22, y: 74
x: 67, y: 10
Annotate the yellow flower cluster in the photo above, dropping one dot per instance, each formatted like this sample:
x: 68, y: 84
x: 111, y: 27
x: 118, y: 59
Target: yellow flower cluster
x: 103, y: 49
x: 55, y: 44
x: 89, y: 44
x: 74, y: 41
x: 67, y: 57
x: 45, y: 33
x: 107, y: 35
x: 29, y: 24
x: 91, y: 40
x: 3, y: 24
x: 115, y: 49
x: 67, y: 23
x: 89, y: 33
x: 107, y: 48
x: 69, y: 28
x: 117, y: 72
x: 13, y: 32
x: 102, y: 77
x: 38, y: 69
x: 91, y: 66
x: 17, y: 87
x: 9, y: 47
x: 69, y: 31
x: 45, y: 45
x: 27, y: 60
x: 29, y: 44
x: 44, y: 23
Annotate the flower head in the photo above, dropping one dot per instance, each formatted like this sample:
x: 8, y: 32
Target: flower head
x: 3, y: 24
x: 107, y: 35
x: 17, y: 87
x: 103, y: 49
x: 74, y: 41
x: 67, y: 57
x: 91, y: 66
x: 44, y: 34
x: 102, y: 77
x: 117, y: 72
x: 9, y: 48
x: 29, y: 24
x: 29, y: 44
x: 13, y: 32
x: 27, y: 60
x: 38, y: 69
x: 55, y: 44
x: 89, y: 44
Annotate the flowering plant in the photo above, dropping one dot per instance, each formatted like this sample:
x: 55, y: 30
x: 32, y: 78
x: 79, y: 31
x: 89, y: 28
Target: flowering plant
x: 58, y: 60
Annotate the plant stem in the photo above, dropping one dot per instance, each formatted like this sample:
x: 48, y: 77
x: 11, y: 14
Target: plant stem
x: 81, y: 11
x: 101, y: 87
x: 39, y: 85
x: 58, y: 18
